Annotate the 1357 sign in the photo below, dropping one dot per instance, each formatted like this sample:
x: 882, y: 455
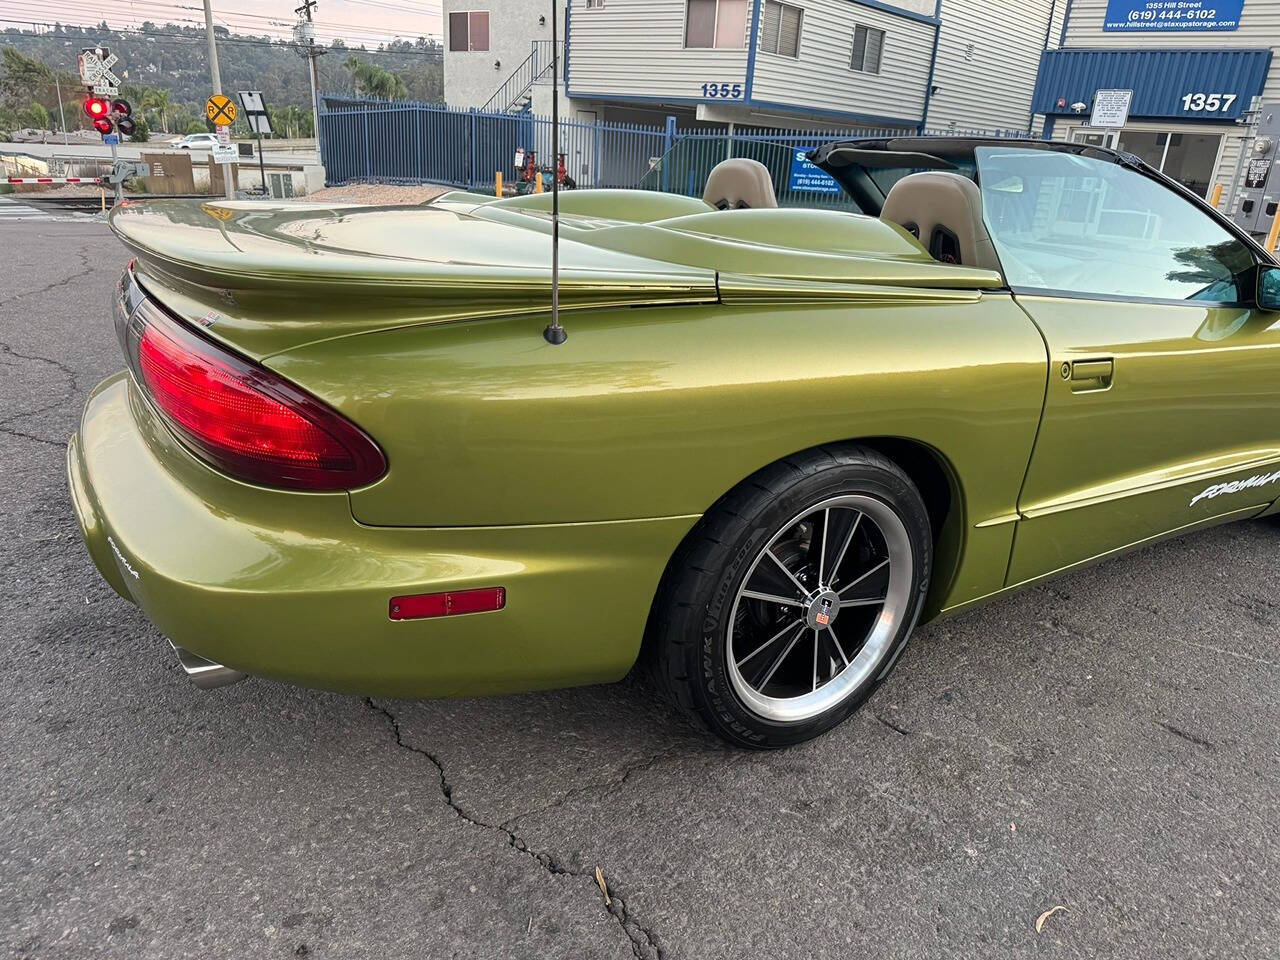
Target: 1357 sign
x: 1208, y: 102
x: 722, y: 91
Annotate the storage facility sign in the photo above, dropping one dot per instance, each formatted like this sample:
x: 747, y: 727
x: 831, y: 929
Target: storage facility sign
x: 807, y: 178
x: 1175, y: 16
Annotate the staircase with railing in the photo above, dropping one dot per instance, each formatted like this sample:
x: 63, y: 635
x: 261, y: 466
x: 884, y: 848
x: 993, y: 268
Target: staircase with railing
x: 517, y: 90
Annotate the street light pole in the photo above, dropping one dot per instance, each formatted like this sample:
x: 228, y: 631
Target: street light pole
x: 62, y: 117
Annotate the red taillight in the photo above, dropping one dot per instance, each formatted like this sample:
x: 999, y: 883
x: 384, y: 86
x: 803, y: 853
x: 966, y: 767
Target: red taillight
x: 420, y: 606
x: 250, y: 422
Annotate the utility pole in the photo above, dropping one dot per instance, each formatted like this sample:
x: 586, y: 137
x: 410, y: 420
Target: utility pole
x: 216, y: 77
x: 307, y: 31
x: 213, y: 48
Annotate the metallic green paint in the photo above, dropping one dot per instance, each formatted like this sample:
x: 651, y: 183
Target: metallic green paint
x: 289, y: 585
x: 702, y: 347
x: 1191, y: 401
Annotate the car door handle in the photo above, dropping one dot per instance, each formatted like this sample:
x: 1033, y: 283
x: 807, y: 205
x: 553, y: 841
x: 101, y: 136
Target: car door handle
x: 1087, y: 375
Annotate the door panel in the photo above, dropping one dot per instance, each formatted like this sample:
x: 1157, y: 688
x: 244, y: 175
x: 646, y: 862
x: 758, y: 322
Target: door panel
x: 1157, y: 416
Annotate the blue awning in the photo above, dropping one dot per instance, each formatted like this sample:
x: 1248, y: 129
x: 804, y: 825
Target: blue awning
x: 1165, y: 83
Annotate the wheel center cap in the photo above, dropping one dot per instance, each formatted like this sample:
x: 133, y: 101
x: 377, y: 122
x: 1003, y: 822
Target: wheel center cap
x: 823, y: 609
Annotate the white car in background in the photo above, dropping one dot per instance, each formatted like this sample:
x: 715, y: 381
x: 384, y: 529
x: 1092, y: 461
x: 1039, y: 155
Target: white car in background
x: 196, y: 141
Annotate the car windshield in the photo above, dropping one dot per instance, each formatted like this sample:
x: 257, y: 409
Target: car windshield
x: 796, y: 181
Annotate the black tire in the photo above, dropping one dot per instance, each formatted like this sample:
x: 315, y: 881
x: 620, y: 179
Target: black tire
x: 687, y: 643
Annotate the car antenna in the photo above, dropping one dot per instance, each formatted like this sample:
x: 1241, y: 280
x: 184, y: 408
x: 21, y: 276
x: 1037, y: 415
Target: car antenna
x: 554, y: 333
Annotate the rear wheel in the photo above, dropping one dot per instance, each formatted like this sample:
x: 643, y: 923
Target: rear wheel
x: 792, y: 599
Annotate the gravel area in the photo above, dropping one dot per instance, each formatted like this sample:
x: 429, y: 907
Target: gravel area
x: 377, y: 194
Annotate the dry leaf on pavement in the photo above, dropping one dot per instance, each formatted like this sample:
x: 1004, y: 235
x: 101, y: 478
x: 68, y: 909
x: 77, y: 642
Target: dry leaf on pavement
x: 1039, y: 920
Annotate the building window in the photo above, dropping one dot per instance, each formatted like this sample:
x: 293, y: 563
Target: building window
x: 469, y: 30
x: 868, y: 47
x: 716, y: 23
x: 781, y: 31
x: 595, y: 4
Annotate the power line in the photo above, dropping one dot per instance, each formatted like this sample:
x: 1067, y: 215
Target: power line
x: 86, y: 30
x: 359, y: 33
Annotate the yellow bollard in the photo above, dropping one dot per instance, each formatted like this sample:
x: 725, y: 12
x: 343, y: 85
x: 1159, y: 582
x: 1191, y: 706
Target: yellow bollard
x: 1274, y: 235
x: 104, y: 199
x: 537, y: 186
x: 497, y: 183
x: 1216, y: 198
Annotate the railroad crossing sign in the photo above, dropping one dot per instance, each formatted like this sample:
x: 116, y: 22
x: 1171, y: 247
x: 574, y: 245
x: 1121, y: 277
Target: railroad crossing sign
x: 95, y: 71
x: 221, y: 110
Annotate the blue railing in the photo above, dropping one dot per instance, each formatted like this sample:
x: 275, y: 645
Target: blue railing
x: 409, y: 142
x: 536, y: 67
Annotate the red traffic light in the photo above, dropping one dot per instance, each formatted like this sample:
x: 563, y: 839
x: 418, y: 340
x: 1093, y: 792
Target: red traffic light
x: 102, y: 125
x: 96, y: 107
x: 121, y: 107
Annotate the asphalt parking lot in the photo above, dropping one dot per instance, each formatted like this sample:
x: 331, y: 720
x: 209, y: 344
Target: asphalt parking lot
x: 1107, y: 744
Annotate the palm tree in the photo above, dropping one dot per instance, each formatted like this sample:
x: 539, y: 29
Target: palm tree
x: 371, y: 79
x: 158, y: 100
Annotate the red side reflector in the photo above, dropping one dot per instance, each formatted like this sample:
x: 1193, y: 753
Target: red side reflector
x: 420, y: 606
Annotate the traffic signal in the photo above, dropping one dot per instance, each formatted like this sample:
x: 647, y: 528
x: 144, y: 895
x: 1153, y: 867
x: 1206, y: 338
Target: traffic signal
x: 121, y: 107
x: 97, y: 108
x: 103, y: 125
x: 126, y: 126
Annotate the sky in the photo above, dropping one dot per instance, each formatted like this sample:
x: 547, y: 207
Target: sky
x: 367, y: 22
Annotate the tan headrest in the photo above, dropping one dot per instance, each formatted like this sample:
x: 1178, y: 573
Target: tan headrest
x: 944, y: 211
x: 739, y: 184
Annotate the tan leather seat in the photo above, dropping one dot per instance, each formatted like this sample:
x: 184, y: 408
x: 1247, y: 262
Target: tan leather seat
x: 944, y: 212
x: 739, y: 184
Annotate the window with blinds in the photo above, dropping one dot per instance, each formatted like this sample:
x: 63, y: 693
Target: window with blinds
x: 716, y: 23
x: 868, y: 48
x: 780, y: 31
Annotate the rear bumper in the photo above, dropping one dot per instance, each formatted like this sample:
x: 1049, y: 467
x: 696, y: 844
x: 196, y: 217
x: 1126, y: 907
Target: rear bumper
x: 289, y: 585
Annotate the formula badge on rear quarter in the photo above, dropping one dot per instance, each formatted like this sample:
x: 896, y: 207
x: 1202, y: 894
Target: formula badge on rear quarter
x: 1235, y: 486
x: 125, y: 565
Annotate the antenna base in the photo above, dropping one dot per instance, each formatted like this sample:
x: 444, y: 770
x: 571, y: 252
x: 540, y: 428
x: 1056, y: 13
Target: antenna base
x: 555, y: 334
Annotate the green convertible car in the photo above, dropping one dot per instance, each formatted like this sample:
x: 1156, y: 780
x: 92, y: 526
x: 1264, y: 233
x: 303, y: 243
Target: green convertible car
x: 345, y: 455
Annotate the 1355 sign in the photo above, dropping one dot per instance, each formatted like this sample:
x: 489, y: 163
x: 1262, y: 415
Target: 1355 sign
x: 1208, y: 102
x: 722, y: 91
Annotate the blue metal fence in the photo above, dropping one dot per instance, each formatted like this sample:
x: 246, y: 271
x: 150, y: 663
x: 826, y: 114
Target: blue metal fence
x: 408, y: 142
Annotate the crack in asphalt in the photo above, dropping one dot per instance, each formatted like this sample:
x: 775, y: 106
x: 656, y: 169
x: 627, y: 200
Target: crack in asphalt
x: 642, y: 942
x: 86, y: 268
x: 19, y: 435
x: 1189, y: 737
x: 901, y: 731
x: 72, y: 377
x: 603, y: 786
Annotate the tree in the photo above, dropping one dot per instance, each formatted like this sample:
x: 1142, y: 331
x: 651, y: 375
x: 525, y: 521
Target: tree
x: 22, y: 76
x: 372, y: 80
x: 36, y: 116
x: 158, y: 101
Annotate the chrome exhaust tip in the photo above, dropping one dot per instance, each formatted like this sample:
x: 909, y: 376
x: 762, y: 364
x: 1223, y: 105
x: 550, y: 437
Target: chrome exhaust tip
x: 205, y: 674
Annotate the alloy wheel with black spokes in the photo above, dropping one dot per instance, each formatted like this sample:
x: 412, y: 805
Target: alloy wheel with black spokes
x: 816, y: 610
x: 807, y: 593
